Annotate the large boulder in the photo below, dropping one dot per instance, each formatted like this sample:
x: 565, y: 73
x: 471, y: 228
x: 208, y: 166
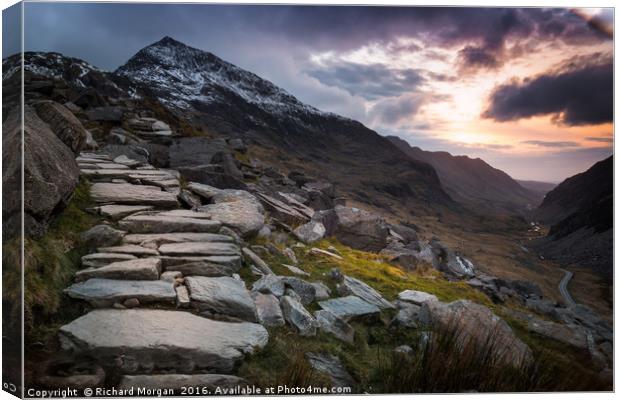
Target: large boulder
x: 475, y: 324
x: 50, y: 173
x: 358, y: 229
x: 133, y: 341
x: 63, y: 123
x: 101, y: 236
x: 237, y: 209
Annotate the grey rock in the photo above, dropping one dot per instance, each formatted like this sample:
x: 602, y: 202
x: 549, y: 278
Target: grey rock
x: 125, y: 193
x: 282, y: 211
x: 295, y: 270
x: 63, y: 123
x: 204, y: 268
x: 223, y: 295
x: 139, y: 269
x: 359, y: 229
x: 350, y: 307
x: 110, y: 114
x: 322, y: 292
x: 237, y: 145
x: 96, y: 260
x: 183, y: 299
x: 268, y: 309
x: 146, y: 339
x: 310, y: 232
x: 305, y: 290
x: 329, y: 323
x: 269, y: 284
x: 407, y: 316
x: 362, y: 290
x: 101, y: 236
x: 178, y: 237
x: 198, y: 248
x: 167, y: 224
x: 336, y: 275
x: 171, y: 276
x: 105, y: 292
x: 416, y: 297
x: 290, y: 254
x: 298, y: 317
x: 190, y: 199
x: 258, y: 262
x: 332, y: 367
x: 173, y: 262
x: 131, y: 303
x: 116, y: 212
x: 129, y: 249
x: 404, y: 349
x: 478, y: 324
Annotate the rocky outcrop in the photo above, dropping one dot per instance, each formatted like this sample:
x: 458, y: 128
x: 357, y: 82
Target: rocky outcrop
x: 63, y: 123
x: 50, y: 173
x: 477, y: 325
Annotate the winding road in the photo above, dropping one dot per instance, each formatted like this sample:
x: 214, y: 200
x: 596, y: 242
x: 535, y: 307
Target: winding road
x: 564, y: 290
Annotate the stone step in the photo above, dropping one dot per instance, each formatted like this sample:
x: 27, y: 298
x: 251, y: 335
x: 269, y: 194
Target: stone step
x: 106, y: 292
x: 124, y: 173
x: 129, y: 249
x: 96, y: 260
x: 222, y: 295
x: 164, y: 224
x: 185, y: 214
x: 127, y: 193
x: 161, y: 238
x: 170, y: 262
x: 118, y: 211
x: 199, y: 249
x: 139, y: 269
x: 203, y: 268
x: 161, y: 339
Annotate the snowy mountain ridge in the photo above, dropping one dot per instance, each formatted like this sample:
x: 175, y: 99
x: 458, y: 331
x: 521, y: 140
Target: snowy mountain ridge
x: 182, y: 75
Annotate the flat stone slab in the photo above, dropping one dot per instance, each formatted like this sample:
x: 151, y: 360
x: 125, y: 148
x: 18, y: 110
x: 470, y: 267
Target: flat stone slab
x: 129, y: 249
x: 223, y: 295
x: 349, y: 307
x: 162, y: 339
x: 416, y: 297
x: 116, y: 211
x: 178, y: 381
x: 297, y: 316
x: 199, y: 249
x: 268, y: 309
x: 136, y: 270
x: 230, y: 261
x: 365, y: 292
x: 105, y: 292
x: 164, y: 224
x: 95, y: 260
x: 126, y: 193
x: 203, y: 268
x: 124, y: 173
x: 160, y: 238
x: 185, y: 214
x: 295, y: 270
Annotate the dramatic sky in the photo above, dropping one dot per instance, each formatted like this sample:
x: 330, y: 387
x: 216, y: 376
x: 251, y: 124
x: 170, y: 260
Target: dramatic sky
x: 528, y: 90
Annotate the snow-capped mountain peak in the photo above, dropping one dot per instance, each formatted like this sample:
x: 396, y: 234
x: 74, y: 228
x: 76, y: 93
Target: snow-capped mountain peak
x: 182, y: 76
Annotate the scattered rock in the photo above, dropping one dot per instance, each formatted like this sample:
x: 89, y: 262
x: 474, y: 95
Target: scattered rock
x: 322, y: 292
x: 356, y: 287
x: 296, y: 315
x: 305, y: 290
x: 329, y: 323
x: 332, y: 367
x: 350, y: 307
x: 101, y: 236
x: 296, y: 270
x: 269, y: 283
x: 416, y: 297
x: 258, y: 262
x: 310, y: 232
x: 131, y: 303
x: 290, y: 254
x: 268, y: 309
x: 360, y: 229
x: 224, y: 295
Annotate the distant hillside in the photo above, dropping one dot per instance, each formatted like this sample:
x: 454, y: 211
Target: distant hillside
x: 580, y: 212
x: 473, y: 182
x: 540, y: 188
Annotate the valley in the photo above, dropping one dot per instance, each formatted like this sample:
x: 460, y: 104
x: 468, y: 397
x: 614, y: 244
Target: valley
x: 190, y: 223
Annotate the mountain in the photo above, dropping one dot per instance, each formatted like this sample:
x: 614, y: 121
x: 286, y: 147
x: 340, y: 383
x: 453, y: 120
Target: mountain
x: 473, y: 182
x: 540, y: 188
x: 580, y: 214
x: 227, y: 101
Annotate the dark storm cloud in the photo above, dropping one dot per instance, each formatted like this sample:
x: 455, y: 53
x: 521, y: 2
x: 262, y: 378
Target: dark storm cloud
x: 601, y: 139
x: 577, y: 96
x: 370, y: 81
x: 551, y: 144
x: 393, y: 111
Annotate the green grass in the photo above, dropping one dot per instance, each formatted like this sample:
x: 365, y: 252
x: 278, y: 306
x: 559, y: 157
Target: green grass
x: 50, y: 263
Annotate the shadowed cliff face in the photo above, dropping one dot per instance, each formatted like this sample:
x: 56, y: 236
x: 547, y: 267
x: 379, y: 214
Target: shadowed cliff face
x: 473, y: 182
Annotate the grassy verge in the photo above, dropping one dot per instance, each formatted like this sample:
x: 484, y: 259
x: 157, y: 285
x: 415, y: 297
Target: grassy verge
x: 50, y: 263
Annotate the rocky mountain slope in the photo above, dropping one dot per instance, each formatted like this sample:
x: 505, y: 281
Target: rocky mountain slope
x: 580, y: 213
x: 474, y: 182
x: 540, y: 188
x: 223, y: 99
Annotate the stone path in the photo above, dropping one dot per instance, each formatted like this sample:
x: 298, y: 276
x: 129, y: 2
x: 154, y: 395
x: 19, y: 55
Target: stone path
x: 147, y: 289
